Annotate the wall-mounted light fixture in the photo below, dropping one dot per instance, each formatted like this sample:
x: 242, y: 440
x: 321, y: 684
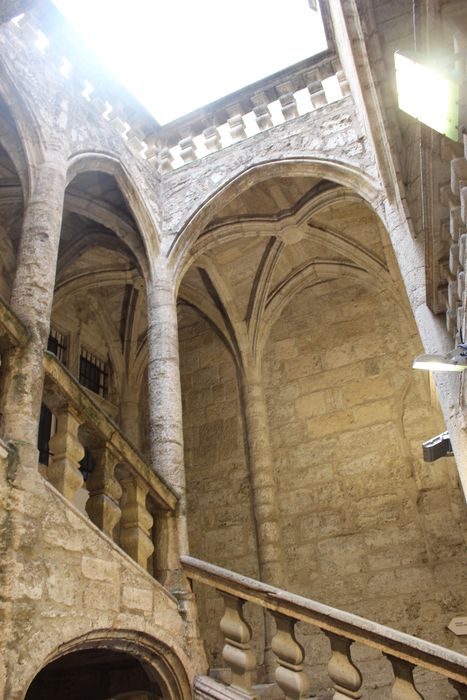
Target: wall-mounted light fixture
x: 454, y: 361
x: 437, y: 447
x: 428, y: 94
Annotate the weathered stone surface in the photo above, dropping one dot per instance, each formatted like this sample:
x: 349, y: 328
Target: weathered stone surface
x: 302, y: 259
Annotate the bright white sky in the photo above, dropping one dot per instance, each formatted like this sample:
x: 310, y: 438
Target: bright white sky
x: 178, y: 55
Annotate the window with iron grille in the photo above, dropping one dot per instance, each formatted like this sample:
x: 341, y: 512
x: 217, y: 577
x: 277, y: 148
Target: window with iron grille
x: 93, y: 373
x: 58, y: 345
x: 45, y: 431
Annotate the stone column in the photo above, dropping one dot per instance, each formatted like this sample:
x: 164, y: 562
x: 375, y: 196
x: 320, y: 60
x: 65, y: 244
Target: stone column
x: 265, y: 507
x: 166, y: 436
x: 165, y: 408
x: 262, y: 478
x: 31, y: 300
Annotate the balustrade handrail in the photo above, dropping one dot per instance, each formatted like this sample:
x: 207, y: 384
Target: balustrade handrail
x: 70, y: 391
x: 12, y: 331
x: 397, y: 644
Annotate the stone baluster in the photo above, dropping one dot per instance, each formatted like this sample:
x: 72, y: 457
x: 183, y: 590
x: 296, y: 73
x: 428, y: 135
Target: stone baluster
x: 461, y: 285
x: 104, y: 491
x: 236, y: 125
x: 345, y: 676
x: 212, y: 139
x: 236, y: 652
x: 166, y: 160
x: 404, y: 686
x: 67, y: 451
x: 136, y: 521
x: 188, y: 150
x: 152, y: 147
x: 461, y: 689
x: 453, y: 297
x: 290, y: 676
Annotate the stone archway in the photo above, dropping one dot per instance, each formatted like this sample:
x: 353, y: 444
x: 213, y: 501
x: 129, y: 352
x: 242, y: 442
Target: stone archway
x: 123, y: 665
x: 97, y: 674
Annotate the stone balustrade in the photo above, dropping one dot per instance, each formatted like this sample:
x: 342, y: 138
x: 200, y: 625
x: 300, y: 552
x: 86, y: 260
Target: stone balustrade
x: 124, y: 493
x: 294, y: 91
x: 402, y: 651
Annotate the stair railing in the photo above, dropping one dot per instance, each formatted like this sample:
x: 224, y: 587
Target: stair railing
x: 403, y: 651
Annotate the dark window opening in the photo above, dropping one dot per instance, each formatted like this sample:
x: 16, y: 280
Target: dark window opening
x: 58, y: 345
x: 45, y: 430
x: 93, y: 373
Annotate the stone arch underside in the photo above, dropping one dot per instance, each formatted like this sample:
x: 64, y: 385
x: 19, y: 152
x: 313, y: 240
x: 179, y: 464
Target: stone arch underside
x: 159, y: 658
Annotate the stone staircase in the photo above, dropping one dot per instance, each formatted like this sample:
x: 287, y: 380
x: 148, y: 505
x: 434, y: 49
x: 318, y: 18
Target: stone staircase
x: 343, y: 629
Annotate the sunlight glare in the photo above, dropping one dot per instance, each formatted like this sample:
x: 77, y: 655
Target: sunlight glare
x: 178, y: 56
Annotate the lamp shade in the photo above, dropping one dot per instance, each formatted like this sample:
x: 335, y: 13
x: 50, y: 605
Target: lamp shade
x: 441, y: 363
x: 428, y: 95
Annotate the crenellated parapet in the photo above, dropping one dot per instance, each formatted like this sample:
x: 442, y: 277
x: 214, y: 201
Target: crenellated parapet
x: 298, y: 90
x: 282, y: 97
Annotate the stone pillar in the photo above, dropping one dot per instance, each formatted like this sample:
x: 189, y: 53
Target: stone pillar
x: 166, y: 437
x: 265, y: 507
x: 31, y: 300
x: 165, y: 410
x: 262, y: 478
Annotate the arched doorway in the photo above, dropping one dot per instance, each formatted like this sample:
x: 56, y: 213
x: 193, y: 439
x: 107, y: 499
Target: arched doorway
x: 97, y: 674
x: 129, y: 665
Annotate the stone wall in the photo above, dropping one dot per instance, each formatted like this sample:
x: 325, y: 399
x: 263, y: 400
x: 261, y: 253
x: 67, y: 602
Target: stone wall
x: 219, y: 500
x: 367, y: 525
x: 64, y: 580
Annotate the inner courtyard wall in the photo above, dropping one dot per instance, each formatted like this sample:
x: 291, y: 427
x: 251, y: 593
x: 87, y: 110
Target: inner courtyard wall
x: 366, y: 524
x: 332, y: 523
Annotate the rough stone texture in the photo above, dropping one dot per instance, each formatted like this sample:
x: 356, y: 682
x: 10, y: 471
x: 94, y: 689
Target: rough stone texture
x: 365, y: 522
x: 271, y: 242
x: 68, y: 580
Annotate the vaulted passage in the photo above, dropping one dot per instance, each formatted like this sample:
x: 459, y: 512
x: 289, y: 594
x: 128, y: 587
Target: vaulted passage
x: 95, y: 674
